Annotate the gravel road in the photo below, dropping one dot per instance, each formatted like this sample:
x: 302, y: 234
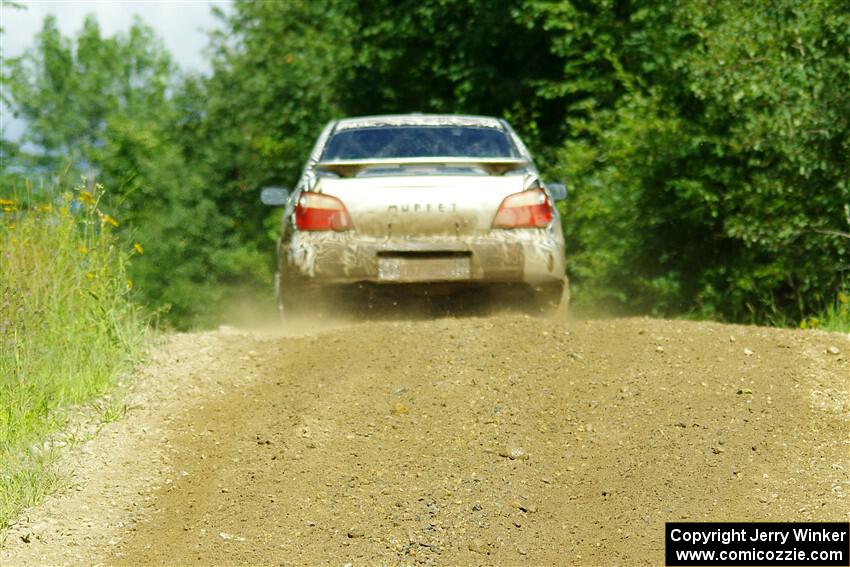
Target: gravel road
x: 502, y: 440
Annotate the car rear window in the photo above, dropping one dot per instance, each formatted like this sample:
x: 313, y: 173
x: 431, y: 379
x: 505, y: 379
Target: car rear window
x: 419, y: 141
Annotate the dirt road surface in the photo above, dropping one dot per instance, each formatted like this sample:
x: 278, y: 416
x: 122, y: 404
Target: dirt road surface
x: 504, y: 440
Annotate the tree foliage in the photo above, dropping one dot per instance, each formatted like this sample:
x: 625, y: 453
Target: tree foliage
x: 730, y: 142
x: 706, y: 144
x: 113, y: 110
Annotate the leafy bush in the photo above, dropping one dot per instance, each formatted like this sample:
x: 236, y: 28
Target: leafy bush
x: 715, y: 185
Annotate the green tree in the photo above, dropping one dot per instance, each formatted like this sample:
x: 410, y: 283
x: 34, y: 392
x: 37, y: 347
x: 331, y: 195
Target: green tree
x: 706, y: 143
x: 115, y: 110
x: 68, y: 90
x: 722, y: 164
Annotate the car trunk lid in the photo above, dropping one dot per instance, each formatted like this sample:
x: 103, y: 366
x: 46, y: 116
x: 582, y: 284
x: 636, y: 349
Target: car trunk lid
x: 408, y: 205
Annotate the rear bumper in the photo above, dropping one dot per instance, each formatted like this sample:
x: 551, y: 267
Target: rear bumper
x: 532, y: 256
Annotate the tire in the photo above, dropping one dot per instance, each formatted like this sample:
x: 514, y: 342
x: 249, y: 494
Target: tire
x: 298, y: 303
x: 563, y: 308
x: 281, y: 311
x: 552, y: 300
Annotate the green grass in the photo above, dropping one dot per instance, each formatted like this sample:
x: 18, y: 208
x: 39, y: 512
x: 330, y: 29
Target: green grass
x: 68, y: 326
x: 836, y: 317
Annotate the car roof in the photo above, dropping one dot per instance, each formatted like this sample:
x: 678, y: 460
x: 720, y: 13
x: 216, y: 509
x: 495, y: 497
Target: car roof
x: 418, y: 120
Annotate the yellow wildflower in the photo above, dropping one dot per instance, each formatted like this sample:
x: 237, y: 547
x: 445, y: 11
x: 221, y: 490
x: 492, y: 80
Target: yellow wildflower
x: 138, y: 248
x: 86, y: 198
x: 129, y: 283
x: 843, y: 297
x: 7, y: 203
x: 107, y: 219
x: 83, y: 250
x: 8, y: 209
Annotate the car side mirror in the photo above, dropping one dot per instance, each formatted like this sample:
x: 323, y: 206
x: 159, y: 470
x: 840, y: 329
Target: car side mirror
x: 557, y: 190
x: 274, y: 196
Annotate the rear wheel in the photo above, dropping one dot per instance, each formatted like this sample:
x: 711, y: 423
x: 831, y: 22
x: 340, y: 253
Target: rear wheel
x: 551, y: 300
x: 296, y: 302
x: 281, y: 310
x: 563, y: 308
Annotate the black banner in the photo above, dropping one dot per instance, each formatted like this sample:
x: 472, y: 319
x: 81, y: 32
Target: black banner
x: 757, y: 543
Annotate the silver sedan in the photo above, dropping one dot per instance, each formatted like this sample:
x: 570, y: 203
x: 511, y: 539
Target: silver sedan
x: 434, y: 202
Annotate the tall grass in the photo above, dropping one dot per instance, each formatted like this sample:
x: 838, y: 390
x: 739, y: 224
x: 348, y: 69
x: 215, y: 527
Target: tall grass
x: 835, y: 317
x: 68, y: 325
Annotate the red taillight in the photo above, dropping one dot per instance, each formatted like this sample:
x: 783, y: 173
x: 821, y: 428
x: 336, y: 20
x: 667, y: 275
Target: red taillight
x: 315, y: 211
x: 529, y: 209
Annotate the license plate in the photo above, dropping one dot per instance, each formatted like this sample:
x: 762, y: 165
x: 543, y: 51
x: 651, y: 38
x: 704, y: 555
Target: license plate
x: 424, y: 268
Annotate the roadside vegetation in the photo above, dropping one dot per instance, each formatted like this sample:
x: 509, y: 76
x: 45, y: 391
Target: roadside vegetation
x: 705, y: 144
x: 68, y: 326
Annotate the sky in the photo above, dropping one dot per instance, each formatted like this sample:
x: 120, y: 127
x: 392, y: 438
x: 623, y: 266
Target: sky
x: 181, y: 24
